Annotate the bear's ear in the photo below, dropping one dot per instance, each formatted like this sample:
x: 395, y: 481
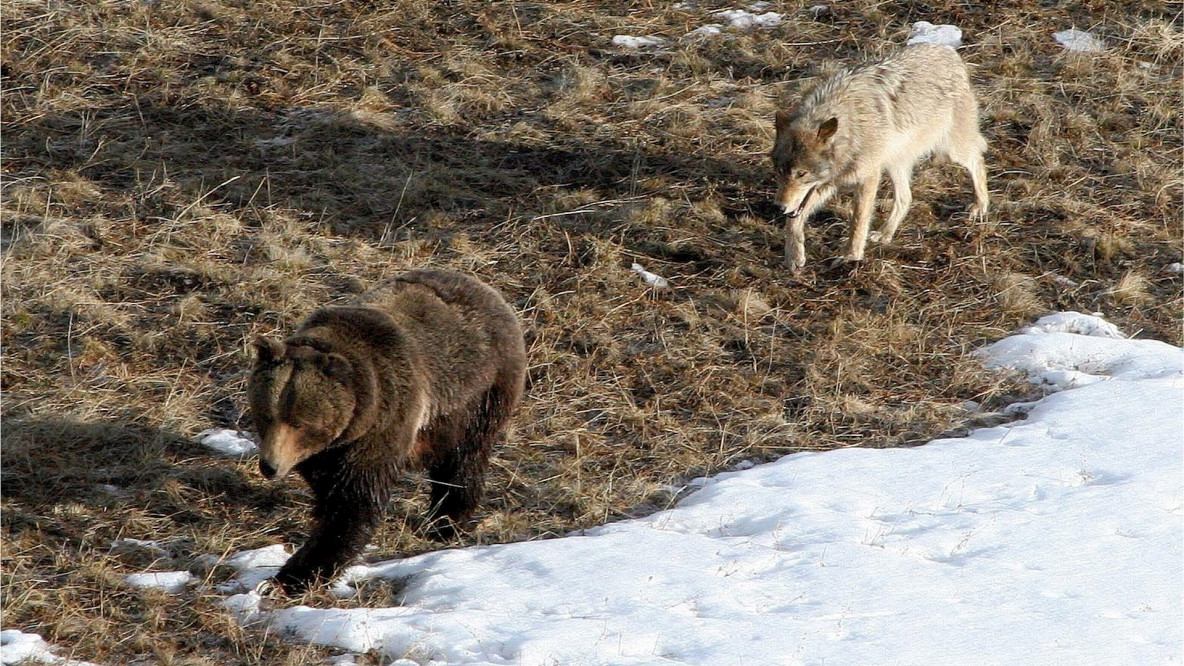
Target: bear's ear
x: 335, y: 366
x: 268, y: 350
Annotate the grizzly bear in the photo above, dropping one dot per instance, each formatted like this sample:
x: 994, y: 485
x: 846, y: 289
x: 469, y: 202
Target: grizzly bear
x: 422, y: 371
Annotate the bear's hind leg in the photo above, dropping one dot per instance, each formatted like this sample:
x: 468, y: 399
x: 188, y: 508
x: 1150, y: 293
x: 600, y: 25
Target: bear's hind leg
x: 457, y: 475
x: 456, y: 470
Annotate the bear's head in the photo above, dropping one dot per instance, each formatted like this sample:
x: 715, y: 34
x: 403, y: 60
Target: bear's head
x: 301, y: 400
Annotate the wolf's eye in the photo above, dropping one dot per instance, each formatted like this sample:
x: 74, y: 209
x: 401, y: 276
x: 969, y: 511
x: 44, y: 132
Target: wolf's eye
x: 799, y: 174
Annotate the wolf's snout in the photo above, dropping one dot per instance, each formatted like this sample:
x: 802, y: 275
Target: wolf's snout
x: 267, y: 469
x: 791, y: 211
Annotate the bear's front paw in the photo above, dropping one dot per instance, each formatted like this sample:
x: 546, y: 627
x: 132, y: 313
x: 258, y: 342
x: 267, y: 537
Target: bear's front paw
x: 292, y: 582
x: 268, y: 589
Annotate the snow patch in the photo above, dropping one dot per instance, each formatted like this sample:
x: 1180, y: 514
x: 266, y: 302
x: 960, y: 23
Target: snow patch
x: 254, y: 567
x: 707, y: 30
x: 925, y: 32
x: 1071, y: 350
x: 153, y: 547
x: 171, y: 582
x: 632, y: 42
x: 753, y: 17
x: 1079, y: 40
x: 1075, y: 322
x: 269, y: 556
x: 652, y: 279
x: 17, y: 647
x: 228, y: 442
x: 244, y: 607
x: 745, y: 20
x: 1050, y: 540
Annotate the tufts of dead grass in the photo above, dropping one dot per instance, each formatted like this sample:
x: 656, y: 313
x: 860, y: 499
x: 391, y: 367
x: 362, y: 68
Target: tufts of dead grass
x: 181, y: 177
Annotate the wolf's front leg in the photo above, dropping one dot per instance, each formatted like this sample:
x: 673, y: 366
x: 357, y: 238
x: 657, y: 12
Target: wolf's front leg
x: 795, y: 226
x: 902, y: 199
x: 865, y: 201
x: 795, y: 243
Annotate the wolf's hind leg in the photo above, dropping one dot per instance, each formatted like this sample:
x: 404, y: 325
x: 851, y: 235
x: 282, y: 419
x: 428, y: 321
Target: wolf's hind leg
x: 966, y: 147
x: 978, y: 175
x: 972, y: 160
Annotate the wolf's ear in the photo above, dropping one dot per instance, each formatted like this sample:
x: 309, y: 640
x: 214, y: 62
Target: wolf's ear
x: 827, y: 129
x: 267, y: 350
x: 335, y: 366
x: 781, y: 121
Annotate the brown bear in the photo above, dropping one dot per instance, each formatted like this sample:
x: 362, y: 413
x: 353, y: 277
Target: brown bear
x: 422, y: 371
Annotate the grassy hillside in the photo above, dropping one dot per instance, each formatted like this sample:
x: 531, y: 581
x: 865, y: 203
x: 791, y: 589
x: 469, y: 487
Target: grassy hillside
x: 180, y: 177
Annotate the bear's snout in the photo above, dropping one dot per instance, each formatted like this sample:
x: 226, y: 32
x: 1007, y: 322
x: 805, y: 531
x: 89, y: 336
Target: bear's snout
x: 280, y: 450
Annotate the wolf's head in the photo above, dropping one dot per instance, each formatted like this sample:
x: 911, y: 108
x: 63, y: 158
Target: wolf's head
x: 801, y: 159
x: 301, y: 400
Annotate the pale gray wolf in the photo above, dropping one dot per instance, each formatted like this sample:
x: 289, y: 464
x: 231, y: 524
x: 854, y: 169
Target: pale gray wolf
x: 880, y: 116
x: 422, y: 371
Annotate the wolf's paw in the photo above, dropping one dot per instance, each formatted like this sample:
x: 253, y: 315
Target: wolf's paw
x: 844, y: 263
x: 840, y: 267
x: 795, y: 264
x: 879, y: 238
x: 978, y: 213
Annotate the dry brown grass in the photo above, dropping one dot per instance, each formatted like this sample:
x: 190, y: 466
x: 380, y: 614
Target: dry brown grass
x: 180, y: 177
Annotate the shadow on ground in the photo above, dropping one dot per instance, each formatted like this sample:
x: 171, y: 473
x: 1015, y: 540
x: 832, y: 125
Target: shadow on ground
x: 361, y: 174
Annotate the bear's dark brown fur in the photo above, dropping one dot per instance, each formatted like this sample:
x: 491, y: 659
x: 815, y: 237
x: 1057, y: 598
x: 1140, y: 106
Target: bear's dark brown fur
x: 424, y: 371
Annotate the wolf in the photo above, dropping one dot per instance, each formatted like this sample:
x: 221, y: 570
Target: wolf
x: 881, y: 116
